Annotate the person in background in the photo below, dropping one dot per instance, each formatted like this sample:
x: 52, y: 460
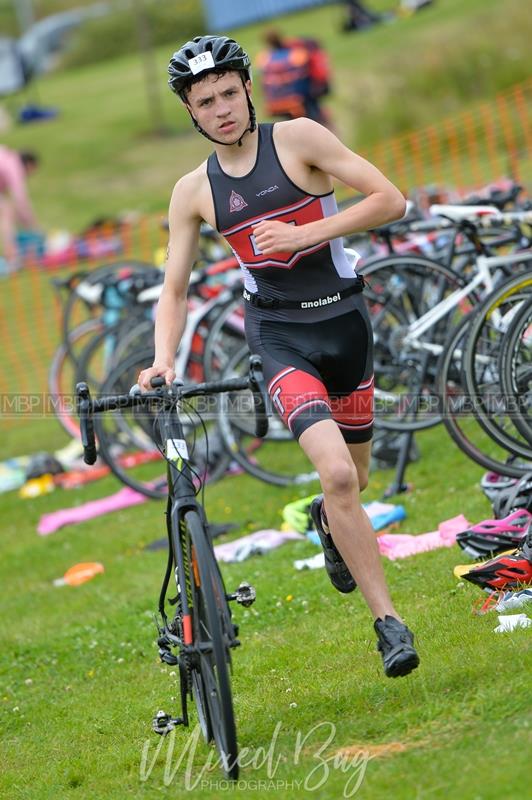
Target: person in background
x: 295, y: 77
x: 359, y: 17
x: 411, y: 6
x: 16, y: 210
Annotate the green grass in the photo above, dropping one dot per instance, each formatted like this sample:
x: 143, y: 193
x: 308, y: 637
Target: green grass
x: 81, y: 677
x: 101, y: 155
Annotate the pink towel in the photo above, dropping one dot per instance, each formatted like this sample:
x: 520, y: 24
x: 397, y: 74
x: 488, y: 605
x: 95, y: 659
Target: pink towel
x: 401, y: 545
x: 124, y: 498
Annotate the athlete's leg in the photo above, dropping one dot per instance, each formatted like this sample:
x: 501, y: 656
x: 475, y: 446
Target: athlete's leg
x: 361, y: 456
x: 350, y: 527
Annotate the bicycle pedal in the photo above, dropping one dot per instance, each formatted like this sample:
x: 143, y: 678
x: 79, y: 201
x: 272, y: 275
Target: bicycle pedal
x: 163, y: 723
x: 245, y: 595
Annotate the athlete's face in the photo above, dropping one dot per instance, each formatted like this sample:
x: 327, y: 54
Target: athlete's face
x: 219, y: 105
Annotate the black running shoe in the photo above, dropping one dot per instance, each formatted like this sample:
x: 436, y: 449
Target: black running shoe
x: 396, y: 645
x: 339, y: 575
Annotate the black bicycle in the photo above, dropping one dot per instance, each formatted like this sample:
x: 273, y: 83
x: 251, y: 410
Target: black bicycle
x: 199, y: 633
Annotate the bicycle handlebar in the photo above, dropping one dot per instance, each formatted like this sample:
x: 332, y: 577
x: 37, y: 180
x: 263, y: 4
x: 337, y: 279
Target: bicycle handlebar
x: 86, y: 406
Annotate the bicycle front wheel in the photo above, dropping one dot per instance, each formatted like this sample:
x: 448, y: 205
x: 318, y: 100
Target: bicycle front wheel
x: 458, y: 410
x: 213, y: 633
x: 401, y: 291
x: 263, y: 458
x: 516, y: 370
x: 482, y: 361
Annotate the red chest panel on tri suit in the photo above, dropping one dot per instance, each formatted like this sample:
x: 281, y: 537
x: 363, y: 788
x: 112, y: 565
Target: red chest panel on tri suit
x: 268, y: 193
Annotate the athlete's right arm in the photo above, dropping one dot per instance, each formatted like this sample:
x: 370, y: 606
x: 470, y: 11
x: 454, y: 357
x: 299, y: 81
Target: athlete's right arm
x: 184, y: 224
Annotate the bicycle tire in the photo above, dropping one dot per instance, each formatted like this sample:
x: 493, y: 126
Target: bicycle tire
x: 463, y: 428
x: 481, y: 362
x: 239, y: 438
x: 212, y: 632
x: 94, y: 363
x: 95, y: 276
x: 516, y: 371
x: 226, y: 335
x: 198, y: 691
x: 61, y: 384
x: 190, y: 672
x: 399, y: 290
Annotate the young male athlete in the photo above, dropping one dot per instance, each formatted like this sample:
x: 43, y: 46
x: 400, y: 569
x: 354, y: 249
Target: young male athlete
x: 268, y: 189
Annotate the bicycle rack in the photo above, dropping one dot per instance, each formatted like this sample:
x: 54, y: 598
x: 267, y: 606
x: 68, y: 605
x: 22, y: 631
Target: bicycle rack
x: 399, y: 486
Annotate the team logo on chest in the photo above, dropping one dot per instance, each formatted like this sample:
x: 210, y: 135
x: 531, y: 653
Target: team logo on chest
x: 236, y: 202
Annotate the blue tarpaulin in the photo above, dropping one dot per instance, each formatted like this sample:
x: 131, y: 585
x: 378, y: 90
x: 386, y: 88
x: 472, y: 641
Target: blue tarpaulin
x: 225, y: 14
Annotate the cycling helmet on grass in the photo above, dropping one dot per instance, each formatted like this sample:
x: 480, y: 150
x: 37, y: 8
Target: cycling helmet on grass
x: 495, y: 536
x: 517, y: 496
x: 478, y: 546
x: 506, y: 571
x: 492, y: 483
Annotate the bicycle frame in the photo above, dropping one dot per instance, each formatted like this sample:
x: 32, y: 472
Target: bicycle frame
x: 483, y: 277
x: 194, y: 318
x: 178, y: 632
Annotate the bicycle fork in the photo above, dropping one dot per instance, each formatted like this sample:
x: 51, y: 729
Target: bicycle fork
x: 177, y: 633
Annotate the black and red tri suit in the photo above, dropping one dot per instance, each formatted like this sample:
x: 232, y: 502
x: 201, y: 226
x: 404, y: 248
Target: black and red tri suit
x: 317, y: 353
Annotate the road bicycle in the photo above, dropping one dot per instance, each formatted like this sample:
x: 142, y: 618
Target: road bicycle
x: 198, y: 634
x: 414, y: 304
x: 122, y: 306
x: 484, y: 379
x: 127, y: 440
x: 516, y: 369
x: 94, y: 306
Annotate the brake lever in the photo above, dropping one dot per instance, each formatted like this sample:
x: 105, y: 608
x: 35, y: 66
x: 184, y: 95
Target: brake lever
x: 84, y: 409
x: 258, y: 389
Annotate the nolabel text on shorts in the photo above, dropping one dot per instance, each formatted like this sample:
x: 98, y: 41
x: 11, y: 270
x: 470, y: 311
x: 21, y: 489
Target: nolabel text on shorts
x: 321, y: 301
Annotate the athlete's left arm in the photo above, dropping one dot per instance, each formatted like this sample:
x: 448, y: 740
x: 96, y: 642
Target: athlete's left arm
x: 318, y: 148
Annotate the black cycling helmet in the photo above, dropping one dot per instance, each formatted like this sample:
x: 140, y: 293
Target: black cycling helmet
x: 477, y: 545
x: 514, y: 497
x: 492, y: 483
x: 205, y: 54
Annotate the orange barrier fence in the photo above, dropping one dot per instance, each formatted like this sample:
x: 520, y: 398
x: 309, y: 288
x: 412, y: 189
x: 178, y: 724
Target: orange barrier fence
x: 486, y: 142
x: 464, y: 151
